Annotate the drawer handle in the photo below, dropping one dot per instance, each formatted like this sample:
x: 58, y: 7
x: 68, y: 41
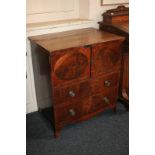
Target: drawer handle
x: 72, y: 112
x: 106, y: 100
x: 71, y: 93
x: 107, y: 83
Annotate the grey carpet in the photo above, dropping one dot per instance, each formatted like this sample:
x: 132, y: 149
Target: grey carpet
x: 105, y: 134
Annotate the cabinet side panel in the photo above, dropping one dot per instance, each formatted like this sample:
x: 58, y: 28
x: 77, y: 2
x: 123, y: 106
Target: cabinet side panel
x: 41, y: 69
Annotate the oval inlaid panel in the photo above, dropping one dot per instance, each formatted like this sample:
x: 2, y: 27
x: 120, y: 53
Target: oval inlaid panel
x: 108, y: 58
x: 70, y: 66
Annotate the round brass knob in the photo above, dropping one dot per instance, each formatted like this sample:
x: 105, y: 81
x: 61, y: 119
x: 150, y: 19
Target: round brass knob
x: 71, y: 93
x: 72, y: 112
x: 106, y: 100
x: 107, y: 83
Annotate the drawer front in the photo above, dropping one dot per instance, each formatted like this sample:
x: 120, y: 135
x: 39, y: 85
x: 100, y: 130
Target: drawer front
x: 105, y: 82
x: 69, y: 113
x: 106, y: 58
x: 70, y: 65
x: 71, y: 93
x: 105, y: 99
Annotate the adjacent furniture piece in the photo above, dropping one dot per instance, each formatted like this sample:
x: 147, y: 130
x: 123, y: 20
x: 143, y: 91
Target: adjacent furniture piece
x: 117, y: 21
x: 84, y: 68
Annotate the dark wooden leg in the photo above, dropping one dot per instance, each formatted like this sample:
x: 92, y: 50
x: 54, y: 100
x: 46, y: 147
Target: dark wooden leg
x: 40, y: 110
x: 57, y: 133
x: 114, y: 108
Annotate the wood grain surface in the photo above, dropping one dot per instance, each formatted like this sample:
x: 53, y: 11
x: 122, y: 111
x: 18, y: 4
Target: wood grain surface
x: 74, y: 38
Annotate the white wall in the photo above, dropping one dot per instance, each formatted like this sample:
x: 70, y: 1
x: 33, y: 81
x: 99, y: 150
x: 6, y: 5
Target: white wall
x: 84, y: 9
x: 50, y: 10
x: 47, y: 10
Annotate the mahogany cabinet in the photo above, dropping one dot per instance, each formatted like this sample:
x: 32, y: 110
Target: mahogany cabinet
x: 84, y: 73
x: 117, y: 21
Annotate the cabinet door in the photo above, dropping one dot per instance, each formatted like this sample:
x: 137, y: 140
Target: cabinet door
x: 70, y: 65
x: 106, y: 57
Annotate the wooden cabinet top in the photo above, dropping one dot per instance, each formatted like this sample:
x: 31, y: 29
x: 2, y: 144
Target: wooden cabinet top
x: 75, y: 38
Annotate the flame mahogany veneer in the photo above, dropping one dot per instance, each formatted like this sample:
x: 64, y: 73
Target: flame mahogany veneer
x: 84, y: 70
